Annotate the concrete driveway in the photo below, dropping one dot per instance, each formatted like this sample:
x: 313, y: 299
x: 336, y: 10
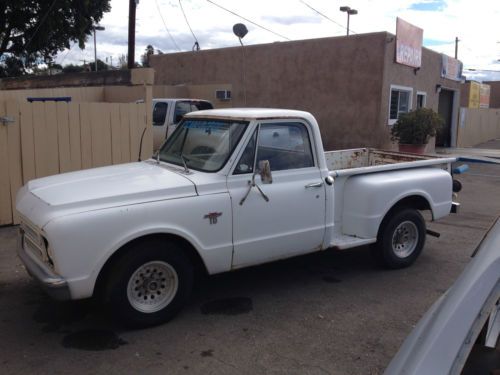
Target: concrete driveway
x: 328, y: 313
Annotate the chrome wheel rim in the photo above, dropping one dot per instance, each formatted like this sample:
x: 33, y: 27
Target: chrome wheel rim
x: 152, y: 286
x: 405, y: 239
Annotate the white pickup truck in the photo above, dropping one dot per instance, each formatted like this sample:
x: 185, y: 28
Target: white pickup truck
x: 230, y: 189
x: 168, y: 112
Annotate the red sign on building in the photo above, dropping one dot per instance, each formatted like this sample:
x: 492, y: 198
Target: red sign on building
x: 408, y: 43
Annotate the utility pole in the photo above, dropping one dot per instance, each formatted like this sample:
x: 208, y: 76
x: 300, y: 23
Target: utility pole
x: 131, y: 33
x: 456, y: 47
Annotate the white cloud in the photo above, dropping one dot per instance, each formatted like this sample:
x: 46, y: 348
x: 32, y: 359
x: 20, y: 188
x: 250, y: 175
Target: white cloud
x: 475, y: 24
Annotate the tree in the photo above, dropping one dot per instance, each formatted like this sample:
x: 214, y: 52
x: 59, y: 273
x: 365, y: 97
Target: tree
x: 101, y: 65
x: 70, y: 68
x: 122, y: 61
x: 145, y: 57
x: 10, y: 67
x: 32, y: 31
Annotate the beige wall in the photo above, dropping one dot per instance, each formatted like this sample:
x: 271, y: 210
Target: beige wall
x: 477, y: 126
x: 129, y: 94
x: 494, y: 94
x: 339, y: 80
x: 78, y: 94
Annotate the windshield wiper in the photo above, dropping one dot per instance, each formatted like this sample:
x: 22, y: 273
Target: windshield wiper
x: 184, y: 163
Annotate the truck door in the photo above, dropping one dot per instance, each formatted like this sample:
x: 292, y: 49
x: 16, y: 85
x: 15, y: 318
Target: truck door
x: 292, y: 221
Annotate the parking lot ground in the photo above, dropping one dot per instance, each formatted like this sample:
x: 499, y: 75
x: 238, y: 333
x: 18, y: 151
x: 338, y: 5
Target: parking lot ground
x: 333, y: 312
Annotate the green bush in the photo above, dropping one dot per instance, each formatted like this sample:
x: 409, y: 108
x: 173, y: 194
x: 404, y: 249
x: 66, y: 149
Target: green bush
x: 416, y: 127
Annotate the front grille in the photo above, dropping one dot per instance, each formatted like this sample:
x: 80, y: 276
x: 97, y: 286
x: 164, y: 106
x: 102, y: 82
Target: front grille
x: 32, y: 239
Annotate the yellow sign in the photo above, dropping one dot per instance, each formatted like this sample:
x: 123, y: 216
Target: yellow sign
x: 474, y: 89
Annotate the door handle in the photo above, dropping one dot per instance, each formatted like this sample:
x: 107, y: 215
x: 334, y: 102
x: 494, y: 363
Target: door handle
x: 314, y: 185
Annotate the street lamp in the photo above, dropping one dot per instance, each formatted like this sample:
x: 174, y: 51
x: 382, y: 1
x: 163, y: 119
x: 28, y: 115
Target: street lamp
x: 350, y: 12
x: 100, y: 28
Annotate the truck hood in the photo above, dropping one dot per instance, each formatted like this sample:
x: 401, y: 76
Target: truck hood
x: 111, y: 186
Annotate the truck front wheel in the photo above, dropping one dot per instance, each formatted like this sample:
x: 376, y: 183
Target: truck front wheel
x: 401, y: 239
x: 150, y: 283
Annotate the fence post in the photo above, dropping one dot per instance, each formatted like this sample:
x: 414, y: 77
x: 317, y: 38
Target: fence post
x: 5, y: 198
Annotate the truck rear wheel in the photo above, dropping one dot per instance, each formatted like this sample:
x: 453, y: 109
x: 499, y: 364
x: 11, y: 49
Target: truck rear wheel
x: 401, y: 239
x: 150, y: 283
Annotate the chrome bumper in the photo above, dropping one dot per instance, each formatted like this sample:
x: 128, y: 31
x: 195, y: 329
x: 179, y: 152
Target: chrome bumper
x: 455, y: 207
x: 53, y: 284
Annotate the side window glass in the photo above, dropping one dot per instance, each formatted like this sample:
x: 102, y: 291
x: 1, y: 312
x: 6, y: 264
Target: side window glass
x: 285, y: 146
x: 245, y: 164
x: 181, y: 108
x: 159, y: 114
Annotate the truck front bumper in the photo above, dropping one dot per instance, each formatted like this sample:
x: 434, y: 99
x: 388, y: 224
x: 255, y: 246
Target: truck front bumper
x: 53, y: 284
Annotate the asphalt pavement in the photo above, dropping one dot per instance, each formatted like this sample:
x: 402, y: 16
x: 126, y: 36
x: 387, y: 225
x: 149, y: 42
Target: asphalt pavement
x: 333, y: 312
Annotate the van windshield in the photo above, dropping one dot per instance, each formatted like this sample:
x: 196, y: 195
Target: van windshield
x: 203, y: 144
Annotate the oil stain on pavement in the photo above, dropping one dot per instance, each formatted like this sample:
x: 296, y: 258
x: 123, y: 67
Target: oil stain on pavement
x: 93, y: 340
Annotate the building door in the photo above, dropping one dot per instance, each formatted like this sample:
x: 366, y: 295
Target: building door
x: 445, y: 109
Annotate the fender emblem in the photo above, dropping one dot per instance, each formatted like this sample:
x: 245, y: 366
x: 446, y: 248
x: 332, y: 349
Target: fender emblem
x: 212, y: 217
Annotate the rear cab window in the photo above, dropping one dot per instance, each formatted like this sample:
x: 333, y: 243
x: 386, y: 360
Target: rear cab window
x: 185, y: 106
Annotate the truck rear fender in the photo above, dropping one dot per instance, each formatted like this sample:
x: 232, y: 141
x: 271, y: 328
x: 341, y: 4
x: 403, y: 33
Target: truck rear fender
x: 368, y: 199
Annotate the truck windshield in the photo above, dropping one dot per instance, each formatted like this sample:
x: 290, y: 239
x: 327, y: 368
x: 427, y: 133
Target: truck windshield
x: 203, y: 144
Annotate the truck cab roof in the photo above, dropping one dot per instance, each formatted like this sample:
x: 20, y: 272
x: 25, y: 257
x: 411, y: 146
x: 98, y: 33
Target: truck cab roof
x: 252, y: 113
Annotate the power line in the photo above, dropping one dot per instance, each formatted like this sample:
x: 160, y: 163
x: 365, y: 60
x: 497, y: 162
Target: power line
x: 325, y: 16
x: 196, y: 44
x: 481, y: 70
x: 40, y: 24
x: 166, y: 28
x: 246, y: 19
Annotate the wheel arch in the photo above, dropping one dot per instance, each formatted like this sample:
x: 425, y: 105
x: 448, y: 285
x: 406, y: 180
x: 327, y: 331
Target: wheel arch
x: 188, y: 248
x: 415, y: 201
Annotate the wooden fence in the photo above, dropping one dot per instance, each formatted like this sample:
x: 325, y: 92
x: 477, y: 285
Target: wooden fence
x: 50, y: 138
x: 477, y: 126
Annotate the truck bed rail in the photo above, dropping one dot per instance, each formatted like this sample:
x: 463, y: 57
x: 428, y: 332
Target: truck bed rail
x: 366, y: 160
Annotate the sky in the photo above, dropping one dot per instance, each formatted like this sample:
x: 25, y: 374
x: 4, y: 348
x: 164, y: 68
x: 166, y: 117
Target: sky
x: 162, y: 24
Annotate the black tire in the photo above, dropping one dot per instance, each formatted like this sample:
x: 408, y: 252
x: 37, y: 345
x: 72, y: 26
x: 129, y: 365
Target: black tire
x: 163, y: 265
x: 410, y: 227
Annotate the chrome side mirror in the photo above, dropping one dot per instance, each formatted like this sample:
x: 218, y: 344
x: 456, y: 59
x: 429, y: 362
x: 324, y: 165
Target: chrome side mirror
x: 265, y: 172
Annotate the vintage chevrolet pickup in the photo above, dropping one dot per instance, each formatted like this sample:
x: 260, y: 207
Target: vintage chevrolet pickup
x: 229, y: 189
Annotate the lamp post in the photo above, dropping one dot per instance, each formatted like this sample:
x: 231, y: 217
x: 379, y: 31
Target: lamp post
x: 350, y: 12
x: 100, y: 28
x: 240, y: 30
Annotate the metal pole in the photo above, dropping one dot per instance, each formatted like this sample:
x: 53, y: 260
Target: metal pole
x: 131, y: 34
x: 95, y: 51
x: 456, y: 47
x: 348, y: 16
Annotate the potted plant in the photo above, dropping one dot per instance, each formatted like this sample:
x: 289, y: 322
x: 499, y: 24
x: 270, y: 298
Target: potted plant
x: 414, y: 129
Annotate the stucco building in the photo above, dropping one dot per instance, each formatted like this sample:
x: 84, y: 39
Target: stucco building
x: 351, y: 84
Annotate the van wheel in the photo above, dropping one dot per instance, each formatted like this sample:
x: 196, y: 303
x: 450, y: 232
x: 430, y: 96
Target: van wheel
x: 150, y: 283
x: 401, y: 239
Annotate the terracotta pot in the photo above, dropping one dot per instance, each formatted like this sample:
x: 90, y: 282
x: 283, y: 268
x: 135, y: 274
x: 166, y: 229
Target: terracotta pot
x: 412, y: 149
